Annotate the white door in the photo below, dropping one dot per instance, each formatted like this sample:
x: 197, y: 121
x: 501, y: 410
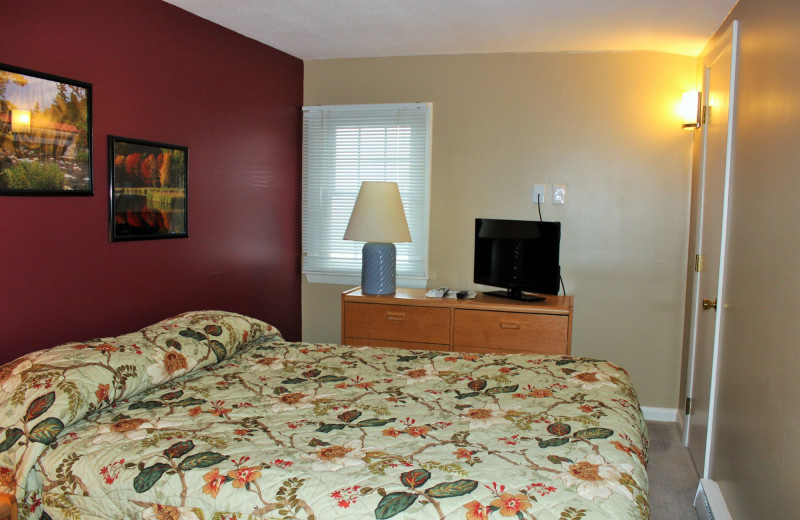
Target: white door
x: 708, y: 308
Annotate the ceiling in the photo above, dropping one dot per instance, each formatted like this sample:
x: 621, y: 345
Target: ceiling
x: 324, y: 29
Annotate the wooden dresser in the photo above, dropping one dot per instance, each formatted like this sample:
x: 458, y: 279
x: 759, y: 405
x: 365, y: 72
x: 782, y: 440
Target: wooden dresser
x: 409, y: 319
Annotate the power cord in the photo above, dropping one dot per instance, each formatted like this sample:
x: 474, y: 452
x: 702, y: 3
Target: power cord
x: 539, y: 205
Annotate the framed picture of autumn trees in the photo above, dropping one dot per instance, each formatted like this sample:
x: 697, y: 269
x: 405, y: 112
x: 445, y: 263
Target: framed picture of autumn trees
x: 148, y: 190
x: 45, y: 134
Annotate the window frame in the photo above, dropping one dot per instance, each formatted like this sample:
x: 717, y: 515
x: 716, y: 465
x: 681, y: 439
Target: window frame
x: 326, y: 151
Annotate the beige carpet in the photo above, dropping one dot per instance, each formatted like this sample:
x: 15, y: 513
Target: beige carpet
x: 671, y: 473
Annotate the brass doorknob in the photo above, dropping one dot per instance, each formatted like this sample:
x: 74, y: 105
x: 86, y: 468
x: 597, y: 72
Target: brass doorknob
x: 709, y: 304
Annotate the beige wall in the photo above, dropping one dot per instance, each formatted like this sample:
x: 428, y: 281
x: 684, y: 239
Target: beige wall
x: 604, y: 124
x: 756, y: 449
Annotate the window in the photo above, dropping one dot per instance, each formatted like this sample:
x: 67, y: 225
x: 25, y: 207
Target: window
x: 344, y: 145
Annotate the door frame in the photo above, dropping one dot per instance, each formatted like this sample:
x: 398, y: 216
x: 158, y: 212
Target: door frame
x: 728, y: 38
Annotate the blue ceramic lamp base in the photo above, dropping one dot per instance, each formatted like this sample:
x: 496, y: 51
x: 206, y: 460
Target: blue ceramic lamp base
x: 378, y: 269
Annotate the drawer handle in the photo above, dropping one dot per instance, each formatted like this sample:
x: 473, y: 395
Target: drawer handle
x: 396, y: 316
x: 509, y: 325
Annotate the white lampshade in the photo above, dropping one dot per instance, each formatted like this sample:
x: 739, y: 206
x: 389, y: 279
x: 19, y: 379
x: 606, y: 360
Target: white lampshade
x: 691, y: 106
x: 378, y: 215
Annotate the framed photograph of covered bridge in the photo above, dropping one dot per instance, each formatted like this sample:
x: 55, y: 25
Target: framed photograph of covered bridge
x: 45, y: 134
x: 148, y: 190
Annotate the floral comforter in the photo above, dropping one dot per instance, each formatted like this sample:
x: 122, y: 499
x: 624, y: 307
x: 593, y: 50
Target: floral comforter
x: 212, y: 415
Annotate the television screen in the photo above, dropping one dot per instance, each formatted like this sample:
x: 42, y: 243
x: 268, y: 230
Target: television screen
x: 519, y: 256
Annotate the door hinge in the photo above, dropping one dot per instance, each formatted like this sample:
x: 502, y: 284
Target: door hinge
x: 688, y: 409
x: 698, y: 263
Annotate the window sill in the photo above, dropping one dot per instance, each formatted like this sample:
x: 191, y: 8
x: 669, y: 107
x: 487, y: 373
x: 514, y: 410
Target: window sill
x: 353, y: 280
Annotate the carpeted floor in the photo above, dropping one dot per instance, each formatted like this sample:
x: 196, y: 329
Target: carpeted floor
x: 671, y: 473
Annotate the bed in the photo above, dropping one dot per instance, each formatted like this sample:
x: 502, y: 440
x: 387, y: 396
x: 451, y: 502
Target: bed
x: 212, y: 415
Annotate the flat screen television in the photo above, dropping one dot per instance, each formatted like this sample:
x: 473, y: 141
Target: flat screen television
x: 518, y: 255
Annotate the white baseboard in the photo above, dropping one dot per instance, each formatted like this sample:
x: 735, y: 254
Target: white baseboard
x: 660, y: 414
x: 709, y: 503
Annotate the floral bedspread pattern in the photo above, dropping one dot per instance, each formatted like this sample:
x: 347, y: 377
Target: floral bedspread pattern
x: 212, y: 415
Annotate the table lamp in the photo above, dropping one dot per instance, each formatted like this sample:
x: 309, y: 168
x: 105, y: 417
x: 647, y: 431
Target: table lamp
x: 379, y: 220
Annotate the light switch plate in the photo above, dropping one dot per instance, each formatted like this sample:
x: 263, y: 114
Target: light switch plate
x: 559, y: 193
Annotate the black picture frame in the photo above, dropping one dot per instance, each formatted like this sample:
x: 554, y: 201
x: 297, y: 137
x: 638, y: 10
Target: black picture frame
x: 45, y: 134
x: 148, y: 190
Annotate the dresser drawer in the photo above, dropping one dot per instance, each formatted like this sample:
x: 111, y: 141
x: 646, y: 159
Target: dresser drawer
x: 404, y: 323
x: 492, y: 331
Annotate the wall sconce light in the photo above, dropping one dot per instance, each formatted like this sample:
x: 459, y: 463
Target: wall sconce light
x: 691, y: 107
x: 21, y: 121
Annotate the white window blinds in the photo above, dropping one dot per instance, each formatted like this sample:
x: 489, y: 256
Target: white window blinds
x: 346, y: 144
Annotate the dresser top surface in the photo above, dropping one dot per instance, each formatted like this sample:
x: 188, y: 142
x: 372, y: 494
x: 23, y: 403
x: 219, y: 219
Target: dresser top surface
x: 408, y: 296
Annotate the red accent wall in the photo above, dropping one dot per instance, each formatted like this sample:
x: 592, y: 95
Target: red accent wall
x: 161, y: 74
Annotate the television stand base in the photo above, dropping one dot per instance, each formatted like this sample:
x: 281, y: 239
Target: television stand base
x: 519, y: 296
